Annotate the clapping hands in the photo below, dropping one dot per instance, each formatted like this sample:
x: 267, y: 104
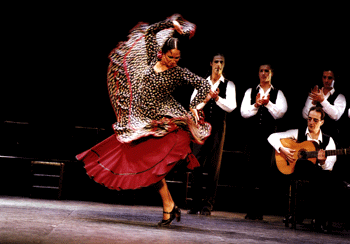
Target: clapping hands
x: 261, y: 101
x: 212, y: 95
x: 316, y: 95
x: 215, y: 94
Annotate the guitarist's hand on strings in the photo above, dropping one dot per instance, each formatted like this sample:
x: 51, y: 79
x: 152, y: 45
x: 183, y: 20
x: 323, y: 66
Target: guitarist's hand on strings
x: 289, y: 154
x: 321, y: 156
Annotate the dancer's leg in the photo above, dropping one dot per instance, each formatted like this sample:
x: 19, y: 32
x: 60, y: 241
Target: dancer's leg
x: 168, y: 202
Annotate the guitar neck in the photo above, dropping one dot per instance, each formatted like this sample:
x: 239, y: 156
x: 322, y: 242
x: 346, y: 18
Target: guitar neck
x: 344, y: 151
x: 314, y: 154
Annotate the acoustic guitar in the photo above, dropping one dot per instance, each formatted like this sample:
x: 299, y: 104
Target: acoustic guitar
x: 304, y: 150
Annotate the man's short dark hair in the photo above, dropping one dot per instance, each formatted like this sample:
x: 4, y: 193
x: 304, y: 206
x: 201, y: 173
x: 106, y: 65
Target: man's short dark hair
x: 318, y: 109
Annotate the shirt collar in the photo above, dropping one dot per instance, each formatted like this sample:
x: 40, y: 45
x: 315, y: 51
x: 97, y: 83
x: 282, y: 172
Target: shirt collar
x: 222, y: 79
x: 272, y: 87
x: 320, y: 137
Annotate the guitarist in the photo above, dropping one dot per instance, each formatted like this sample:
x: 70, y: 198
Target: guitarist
x: 319, y: 174
x: 313, y: 133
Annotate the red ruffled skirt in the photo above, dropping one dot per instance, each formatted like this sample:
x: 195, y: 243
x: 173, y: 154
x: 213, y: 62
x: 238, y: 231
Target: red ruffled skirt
x: 137, y: 164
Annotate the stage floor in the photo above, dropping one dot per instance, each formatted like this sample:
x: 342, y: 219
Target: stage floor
x: 25, y: 220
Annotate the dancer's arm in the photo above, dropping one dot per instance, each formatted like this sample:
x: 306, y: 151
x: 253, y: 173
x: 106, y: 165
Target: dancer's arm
x: 151, y: 39
x: 201, y: 85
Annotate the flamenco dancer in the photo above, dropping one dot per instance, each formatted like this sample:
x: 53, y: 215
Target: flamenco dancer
x: 153, y: 131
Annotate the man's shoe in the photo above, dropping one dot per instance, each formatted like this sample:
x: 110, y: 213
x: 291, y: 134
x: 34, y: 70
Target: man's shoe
x: 206, y: 210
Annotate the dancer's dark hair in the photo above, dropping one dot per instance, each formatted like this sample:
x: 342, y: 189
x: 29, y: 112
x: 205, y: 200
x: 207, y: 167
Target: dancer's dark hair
x: 171, y: 43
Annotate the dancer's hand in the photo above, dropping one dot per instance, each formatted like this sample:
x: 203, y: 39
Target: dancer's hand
x: 178, y: 27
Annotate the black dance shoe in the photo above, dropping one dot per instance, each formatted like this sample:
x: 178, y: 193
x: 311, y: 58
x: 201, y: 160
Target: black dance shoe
x: 206, y: 211
x: 175, y: 213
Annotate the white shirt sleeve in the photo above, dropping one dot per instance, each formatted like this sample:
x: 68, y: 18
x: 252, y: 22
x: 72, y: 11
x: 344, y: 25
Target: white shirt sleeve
x: 275, y: 138
x: 229, y: 103
x: 330, y: 161
x: 277, y: 110
x: 194, y: 93
x: 335, y: 111
x: 306, y: 109
x: 280, y: 108
x: 247, y: 108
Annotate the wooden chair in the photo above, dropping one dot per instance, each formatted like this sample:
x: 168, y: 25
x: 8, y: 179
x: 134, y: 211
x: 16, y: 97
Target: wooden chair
x: 47, y: 175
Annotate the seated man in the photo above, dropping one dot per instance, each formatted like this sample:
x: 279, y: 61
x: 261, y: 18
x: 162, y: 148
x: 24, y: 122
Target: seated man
x: 319, y: 174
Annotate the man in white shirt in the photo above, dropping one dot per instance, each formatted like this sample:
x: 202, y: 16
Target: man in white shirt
x: 332, y: 102
x: 313, y: 133
x: 322, y: 181
x: 228, y: 103
x: 250, y: 107
x: 262, y: 107
x: 220, y: 101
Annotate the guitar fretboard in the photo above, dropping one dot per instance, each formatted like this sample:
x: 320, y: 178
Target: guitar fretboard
x: 314, y: 154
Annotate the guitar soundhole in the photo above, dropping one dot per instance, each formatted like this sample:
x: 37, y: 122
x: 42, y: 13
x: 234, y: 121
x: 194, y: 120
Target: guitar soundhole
x: 302, y: 154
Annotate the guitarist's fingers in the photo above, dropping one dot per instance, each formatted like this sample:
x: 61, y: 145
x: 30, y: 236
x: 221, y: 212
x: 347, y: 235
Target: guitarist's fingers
x: 291, y: 158
x: 288, y: 151
x: 322, y: 155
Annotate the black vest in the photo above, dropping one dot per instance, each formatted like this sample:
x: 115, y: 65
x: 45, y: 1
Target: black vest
x: 212, y: 112
x: 263, y: 118
x: 302, y: 137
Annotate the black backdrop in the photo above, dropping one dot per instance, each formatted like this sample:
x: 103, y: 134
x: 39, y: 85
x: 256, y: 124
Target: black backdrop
x: 58, y: 54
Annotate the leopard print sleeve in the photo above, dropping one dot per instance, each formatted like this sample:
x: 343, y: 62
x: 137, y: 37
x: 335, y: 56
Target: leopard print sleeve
x: 152, y: 46
x: 198, y: 83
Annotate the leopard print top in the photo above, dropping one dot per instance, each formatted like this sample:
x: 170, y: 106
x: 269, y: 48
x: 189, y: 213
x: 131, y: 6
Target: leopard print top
x: 141, y: 97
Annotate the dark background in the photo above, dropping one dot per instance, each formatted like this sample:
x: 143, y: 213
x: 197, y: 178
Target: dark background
x: 58, y: 53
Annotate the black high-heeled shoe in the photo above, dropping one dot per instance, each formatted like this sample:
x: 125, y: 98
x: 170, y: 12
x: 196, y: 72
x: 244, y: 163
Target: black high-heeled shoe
x: 175, y: 213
